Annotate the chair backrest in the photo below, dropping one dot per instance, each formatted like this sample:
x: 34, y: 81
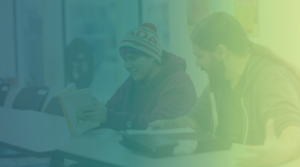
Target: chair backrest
x: 2, y: 81
x: 4, y: 89
x: 54, y: 107
x: 11, y: 96
x: 31, y: 98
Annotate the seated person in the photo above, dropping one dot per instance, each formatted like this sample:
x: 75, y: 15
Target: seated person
x: 158, y: 86
x: 250, y: 88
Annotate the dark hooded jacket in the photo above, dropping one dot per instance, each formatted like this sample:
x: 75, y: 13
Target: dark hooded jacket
x: 269, y: 90
x: 168, y: 95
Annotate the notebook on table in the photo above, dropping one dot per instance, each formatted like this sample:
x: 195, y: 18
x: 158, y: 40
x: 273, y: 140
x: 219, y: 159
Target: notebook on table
x: 161, y: 145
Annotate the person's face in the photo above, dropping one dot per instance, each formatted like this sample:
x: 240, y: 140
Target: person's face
x: 140, y: 67
x: 210, y: 62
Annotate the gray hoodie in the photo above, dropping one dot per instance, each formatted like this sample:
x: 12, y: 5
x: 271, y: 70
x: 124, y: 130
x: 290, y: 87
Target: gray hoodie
x: 269, y: 91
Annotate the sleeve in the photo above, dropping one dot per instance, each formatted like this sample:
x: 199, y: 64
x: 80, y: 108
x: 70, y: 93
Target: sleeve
x: 115, y: 104
x: 201, y: 113
x: 175, y: 100
x: 199, y: 117
x: 280, y: 100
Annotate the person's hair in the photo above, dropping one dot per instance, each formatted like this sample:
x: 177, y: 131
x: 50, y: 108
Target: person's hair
x: 223, y: 29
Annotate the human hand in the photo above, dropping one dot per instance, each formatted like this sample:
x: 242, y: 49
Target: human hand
x: 275, y: 151
x: 158, y: 124
x: 97, y: 112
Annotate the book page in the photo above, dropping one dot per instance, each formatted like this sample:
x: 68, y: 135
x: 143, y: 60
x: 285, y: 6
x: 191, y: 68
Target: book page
x: 161, y: 132
x: 70, y: 88
x: 73, y: 102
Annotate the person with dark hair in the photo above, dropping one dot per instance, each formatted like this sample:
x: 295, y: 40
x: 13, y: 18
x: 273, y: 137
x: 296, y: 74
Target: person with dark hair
x: 158, y: 86
x: 253, y: 97
x: 79, y: 63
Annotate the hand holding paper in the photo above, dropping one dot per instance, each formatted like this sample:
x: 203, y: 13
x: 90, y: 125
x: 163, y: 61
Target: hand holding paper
x: 72, y: 101
x: 97, y: 112
x: 159, y: 124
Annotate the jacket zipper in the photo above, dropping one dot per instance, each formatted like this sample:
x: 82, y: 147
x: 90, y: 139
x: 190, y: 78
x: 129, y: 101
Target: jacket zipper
x: 215, y: 116
x: 247, y: 121
x: 214, y: 112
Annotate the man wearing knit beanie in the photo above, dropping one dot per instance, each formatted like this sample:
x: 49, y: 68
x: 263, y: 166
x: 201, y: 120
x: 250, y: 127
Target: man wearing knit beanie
x: 158, y: 86
x: 142, y: 41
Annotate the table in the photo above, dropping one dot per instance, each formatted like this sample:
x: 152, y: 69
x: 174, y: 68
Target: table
x: 294, y: 163
x: 43, y: 135
x: 101, y: 147
x: 32, y: 133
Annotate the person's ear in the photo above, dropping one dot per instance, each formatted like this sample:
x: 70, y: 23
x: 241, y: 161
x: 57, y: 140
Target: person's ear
x: 221, y: 53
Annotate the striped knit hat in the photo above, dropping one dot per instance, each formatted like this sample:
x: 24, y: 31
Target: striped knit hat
x: 144, y: 39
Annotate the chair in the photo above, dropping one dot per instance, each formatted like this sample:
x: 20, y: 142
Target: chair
x: 54, y: 107
x: 4, y: 89
x: 2, y: 81
x: 31, y: 98
x: 10, y: 154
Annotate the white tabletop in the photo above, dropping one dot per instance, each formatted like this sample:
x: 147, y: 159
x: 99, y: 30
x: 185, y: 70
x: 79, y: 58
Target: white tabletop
x: 34, y: 133
x: 103, y: 146
x: 41, y: 135
x: 293, y: 163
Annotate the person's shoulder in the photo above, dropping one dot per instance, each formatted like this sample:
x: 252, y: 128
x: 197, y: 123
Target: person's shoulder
x: 179, y: 78
x: 275, y: 72
x: 167, y: 53
x: 168, y: 57
x: 277, y: 76
x: 263, y: 69
x: 129, y: 81
x: 180, y: 75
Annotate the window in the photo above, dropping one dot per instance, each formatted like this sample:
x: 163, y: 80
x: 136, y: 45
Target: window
x: 29, y: 23
x: 157, y: 12
x: 7, y: 42
x: 99, y: 24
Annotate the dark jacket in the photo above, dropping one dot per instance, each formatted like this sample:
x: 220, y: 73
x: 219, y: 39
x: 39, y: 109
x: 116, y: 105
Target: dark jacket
x: 270, y: 91
x: 169, y: 94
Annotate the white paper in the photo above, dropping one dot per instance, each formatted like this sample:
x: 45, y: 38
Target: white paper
x: 185, y: 147
x: 73, y: 102
x: 70, y: 88
x: 160, y: 132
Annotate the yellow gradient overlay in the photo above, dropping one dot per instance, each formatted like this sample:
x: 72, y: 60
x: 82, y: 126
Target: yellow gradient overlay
x: 278, y: 29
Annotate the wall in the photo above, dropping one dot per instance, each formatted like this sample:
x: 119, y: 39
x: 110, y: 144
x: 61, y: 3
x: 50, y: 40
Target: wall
x: 180, y: 43
x: 53, y: 47
x: 7, y: 40
x: 279, y: 26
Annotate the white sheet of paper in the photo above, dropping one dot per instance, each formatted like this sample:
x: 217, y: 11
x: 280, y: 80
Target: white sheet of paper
x: 73, y: 102
x: 70, y: 88
x: 160, y: 132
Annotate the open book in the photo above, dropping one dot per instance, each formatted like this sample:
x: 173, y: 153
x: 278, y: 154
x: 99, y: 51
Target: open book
x: 161, y: 132
x: 72, y: 100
